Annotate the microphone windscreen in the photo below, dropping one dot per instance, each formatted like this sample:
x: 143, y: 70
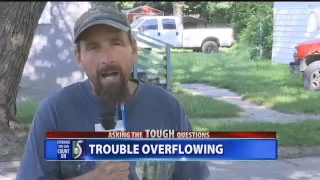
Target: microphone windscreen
x: 108, y: 118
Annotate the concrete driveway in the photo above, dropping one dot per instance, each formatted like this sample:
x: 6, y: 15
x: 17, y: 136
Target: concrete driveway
x: 289, y: 169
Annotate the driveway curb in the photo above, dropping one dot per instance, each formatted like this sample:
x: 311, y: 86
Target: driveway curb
x: 297, y: 152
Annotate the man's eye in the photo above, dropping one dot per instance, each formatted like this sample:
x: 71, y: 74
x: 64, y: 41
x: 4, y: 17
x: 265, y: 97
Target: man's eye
x: 116, y: 43
x: 92, y: 47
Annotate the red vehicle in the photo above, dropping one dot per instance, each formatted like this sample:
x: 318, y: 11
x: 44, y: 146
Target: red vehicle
x: 307, y: 61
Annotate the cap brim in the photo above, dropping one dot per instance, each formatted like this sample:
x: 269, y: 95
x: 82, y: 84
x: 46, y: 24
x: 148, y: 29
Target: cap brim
x: 106, y: 22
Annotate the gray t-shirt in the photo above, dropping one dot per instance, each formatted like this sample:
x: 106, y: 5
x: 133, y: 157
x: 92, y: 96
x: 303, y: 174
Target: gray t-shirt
x: 75, y: 108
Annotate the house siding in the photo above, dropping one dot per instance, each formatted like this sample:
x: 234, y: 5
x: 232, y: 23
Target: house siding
x: 290, y: 28
x: 51, y: 64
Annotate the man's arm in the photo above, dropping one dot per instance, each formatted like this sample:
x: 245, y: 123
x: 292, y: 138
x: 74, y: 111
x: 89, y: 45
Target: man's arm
x: 33, y: 165
x: 189, y: 170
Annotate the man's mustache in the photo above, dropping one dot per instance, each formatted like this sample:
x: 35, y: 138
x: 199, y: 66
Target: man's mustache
x: 108, y: 68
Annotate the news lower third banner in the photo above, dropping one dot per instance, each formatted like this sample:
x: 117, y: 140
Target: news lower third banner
x: 175, y: 149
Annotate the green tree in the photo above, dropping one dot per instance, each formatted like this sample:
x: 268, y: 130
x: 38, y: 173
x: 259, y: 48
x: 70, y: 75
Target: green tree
x: 177, y: 8
x: 247, y: 23
x: 216, y: 13
x: 120, y: 5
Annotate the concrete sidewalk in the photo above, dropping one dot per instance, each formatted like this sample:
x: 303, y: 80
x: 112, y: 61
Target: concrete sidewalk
x: 253, y: 111
x: 290, y: 169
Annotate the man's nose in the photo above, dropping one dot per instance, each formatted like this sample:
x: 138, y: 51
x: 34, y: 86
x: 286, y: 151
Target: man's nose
x: 106, y: 57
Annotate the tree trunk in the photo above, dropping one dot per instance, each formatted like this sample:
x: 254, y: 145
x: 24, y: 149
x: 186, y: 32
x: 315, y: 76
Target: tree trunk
x: 105, y: 3
x: 177, y: 9
x: 19, y: 21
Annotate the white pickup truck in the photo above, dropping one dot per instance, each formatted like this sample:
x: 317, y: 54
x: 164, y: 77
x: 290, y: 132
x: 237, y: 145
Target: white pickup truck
x: 169, y: 29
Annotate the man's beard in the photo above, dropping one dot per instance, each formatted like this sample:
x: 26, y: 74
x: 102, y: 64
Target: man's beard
x: 112, y: 93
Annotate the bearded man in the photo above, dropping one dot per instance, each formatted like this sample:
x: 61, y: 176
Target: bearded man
x: 106, y: 50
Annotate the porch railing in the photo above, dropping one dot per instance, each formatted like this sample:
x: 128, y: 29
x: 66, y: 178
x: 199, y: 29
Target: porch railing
x: 154, y: 62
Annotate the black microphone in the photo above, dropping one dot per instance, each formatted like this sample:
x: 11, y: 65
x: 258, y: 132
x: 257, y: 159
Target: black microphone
x: 108, y: 118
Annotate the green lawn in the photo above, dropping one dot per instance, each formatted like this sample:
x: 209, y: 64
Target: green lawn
x: 262, y: 82
x: 198, y: 106
x: 303, y: 133
x: 25, y: 112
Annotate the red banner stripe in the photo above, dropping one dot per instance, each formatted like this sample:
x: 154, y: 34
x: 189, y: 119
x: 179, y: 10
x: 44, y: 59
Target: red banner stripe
x: 160, y: 134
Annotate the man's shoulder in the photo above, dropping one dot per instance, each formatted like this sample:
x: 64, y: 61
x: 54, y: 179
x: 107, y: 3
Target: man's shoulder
x: 162, y: 96
x: 159, y: 92
x: 168, y: 105
x: 64, y: 94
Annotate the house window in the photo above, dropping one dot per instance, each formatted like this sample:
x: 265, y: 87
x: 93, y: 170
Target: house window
x: 150, y: 24
x: 168, y: 24
x: 314, y: 19
x: 46, y: 15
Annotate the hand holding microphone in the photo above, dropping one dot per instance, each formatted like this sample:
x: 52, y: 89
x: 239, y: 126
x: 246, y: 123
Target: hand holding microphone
x: 107, y: 170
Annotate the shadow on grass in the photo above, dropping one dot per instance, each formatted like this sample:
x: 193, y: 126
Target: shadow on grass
x: 198, y: 106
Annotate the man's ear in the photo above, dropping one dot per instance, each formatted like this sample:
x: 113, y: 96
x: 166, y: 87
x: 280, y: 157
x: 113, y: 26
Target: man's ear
x: 78, y: 57
x: 134, y: 49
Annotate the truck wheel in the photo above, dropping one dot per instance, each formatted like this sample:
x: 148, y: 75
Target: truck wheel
x: 210, y: 47
x: 311, y: 77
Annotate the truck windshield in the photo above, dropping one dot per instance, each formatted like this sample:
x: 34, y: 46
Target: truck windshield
x: 136, y: 23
